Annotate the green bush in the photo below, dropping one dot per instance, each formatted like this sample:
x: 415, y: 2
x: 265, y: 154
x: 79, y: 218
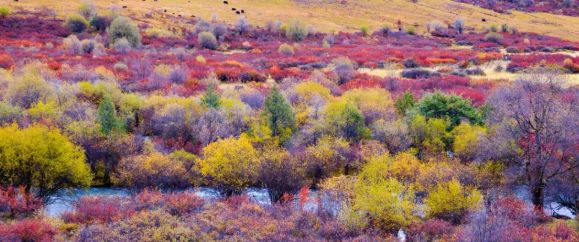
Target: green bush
x: 494, y: 37
x: 123, y: 27
x: 296, y: 31
x: 76, y: 23
x: 207, y: 40
x: 285, y: 49
x: 87, y: 9
x: 4, y: 11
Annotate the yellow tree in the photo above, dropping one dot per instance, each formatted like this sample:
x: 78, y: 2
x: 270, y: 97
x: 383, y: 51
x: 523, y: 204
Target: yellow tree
x: 452, y: 201
x: 41, y: 159
x: 466, y: 140
x: 381, y: 199
x: 230, y: 164
x: 374, y: 103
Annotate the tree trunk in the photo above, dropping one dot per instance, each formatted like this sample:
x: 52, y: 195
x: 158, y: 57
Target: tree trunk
x: 538, y: 192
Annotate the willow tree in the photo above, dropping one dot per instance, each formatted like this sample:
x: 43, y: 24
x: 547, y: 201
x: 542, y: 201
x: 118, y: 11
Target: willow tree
x: 41, y: 159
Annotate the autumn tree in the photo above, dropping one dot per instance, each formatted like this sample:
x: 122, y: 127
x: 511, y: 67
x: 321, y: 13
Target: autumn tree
x: 429, y: 135
x: 373, y: 103
x: 41, y: 159
x: 467, y: 140
x: 452, y: 201
x: 344, y: 119
x: 541, y: 117
x: 384, y: 201
x: 230, y: 164
x: 152, y: 170
x: 280, y: 116
x: 280, y: 173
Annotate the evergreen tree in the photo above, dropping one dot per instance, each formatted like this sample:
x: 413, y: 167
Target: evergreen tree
x: 405, y: 102
x: 211, y: 99
x: 280, y: 116
x: 108, y: 117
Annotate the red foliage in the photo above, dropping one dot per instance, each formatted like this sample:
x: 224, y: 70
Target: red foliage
x: 176, y: 203
x: 6, y: 61
x: 430, y: 230
x: 17, y: 202
x: 303, y: 196
x: 559, y: 231
x: 98, y: 210
x: 363, y: 81
x: 27, y: 230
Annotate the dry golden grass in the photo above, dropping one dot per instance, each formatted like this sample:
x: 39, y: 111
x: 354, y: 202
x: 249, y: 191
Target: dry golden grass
x: 329, y: 16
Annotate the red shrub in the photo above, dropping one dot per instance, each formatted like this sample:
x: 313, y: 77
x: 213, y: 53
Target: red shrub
x: 98, y: 210
x: 6, y: 61
x: 430, y: 230
x: 17, y: 202
x: 183, y: 203
x: 559, y: 231
x: 27, y: 230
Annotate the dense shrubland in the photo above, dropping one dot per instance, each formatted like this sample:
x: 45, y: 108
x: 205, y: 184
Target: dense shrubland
x: 430, y: 151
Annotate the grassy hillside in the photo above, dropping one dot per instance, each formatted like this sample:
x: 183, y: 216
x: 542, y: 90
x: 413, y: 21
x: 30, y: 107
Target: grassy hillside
x: 332, y: 15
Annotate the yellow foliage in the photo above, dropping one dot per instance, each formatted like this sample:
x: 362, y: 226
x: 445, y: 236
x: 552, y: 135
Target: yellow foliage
x: 404, y: 167
x: 39, y: 157
x: 44, y: 110
x: 452, y: 201
x: 466, y: 139
x: 231, y: 162
x: 326, y: 153
x: 370, y: 101
x: 308, y: 90
x: 387, y: 203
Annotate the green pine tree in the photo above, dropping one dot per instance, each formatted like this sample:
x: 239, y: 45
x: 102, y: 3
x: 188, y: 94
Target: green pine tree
x: 405, y: 102
x: 211, y: 99
x: 108, y: 116
x: 280, y: 117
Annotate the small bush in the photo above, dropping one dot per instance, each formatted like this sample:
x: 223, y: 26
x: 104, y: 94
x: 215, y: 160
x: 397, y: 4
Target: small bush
x: 285, y: 49
x: 4, y: 12
x: 123, y: 27
x: 16, y: 202
x: 76, y: 23
x: 87, y: 9
x: 73, y: 45
x: 119, y: 66
x: 459, y: 25
x: 411, y: 31
x: 242, y: 25
x: 122, y: 46
x: 505, y: 28
x: 219, y: 30
x: 27, y: 230
x: 99, y: 23
x: 202, y: 26
x: 410, y: 63
x: 88, y: 46
x: 200, y: 59
x: 178, y: 75
x: 364, y: 31
x: 494, y: 37
x: 344, y: 68
x: 207, y: 40
x: 296, y: 31
x: 418, y: 73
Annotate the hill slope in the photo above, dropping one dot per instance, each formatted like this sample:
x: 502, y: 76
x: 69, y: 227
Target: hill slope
x: 333, y: 15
